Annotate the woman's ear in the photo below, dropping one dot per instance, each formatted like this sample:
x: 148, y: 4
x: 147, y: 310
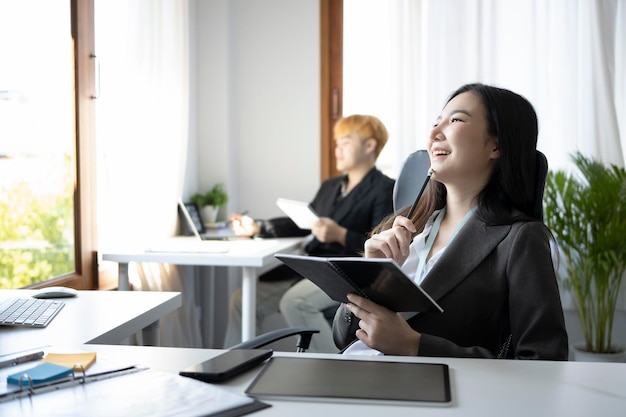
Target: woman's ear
x: 495, y: 150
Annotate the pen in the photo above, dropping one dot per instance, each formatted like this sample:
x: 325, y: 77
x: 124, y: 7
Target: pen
x: 419, y: 195
x: 21, y: 359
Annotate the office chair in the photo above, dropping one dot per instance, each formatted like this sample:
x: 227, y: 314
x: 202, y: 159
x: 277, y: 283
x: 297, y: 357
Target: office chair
x: 541, y: 172
x: 411, y: 177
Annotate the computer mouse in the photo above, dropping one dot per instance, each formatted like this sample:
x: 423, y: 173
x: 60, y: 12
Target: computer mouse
x: 55, y: 292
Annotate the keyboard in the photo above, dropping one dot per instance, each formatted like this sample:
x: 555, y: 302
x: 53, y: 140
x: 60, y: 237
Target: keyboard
x: 28, y: 312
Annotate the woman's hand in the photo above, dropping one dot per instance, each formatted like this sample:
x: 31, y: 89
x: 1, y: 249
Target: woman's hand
x: 243, y: 225
x: 392, y: 243
x: 382, y: 329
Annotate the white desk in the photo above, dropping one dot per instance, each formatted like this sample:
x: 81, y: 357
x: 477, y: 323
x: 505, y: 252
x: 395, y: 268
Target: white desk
x: 480, y: 387
x: 254, y: 256
x: 105, y: 317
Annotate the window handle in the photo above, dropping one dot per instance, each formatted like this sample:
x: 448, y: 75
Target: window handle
x: 97, y: 69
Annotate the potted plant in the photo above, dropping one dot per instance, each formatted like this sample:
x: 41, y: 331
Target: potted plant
x: 587, y: 214
x: 210, y: 202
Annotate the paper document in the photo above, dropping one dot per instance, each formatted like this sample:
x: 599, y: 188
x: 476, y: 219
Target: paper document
x: 299, y: 211
x: 142, y: 392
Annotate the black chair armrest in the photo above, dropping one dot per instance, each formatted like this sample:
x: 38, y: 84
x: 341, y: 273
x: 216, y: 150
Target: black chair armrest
x: 302, y: 344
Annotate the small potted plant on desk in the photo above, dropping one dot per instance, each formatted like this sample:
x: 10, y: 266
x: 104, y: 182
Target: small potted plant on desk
x: 587, y: 214
x: 210, y: 202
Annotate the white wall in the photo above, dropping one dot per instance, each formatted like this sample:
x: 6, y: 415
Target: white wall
x: 254, y: 117
x: 255, y: 110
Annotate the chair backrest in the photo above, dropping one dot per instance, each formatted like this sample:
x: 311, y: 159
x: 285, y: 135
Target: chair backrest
x: 410, y: 179
x: 541, y: 172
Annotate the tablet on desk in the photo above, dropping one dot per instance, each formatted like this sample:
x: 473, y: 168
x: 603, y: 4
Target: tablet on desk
x: 349, y: 380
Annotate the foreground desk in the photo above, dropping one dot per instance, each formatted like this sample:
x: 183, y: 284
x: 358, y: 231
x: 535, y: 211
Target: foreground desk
x: 480, y: 387
x: 106, y: 317
x: 254, y: 256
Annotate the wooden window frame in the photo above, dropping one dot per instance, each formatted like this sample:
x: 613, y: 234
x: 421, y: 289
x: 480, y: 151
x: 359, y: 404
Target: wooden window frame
x: 85, y: 232
x: 331, y: 59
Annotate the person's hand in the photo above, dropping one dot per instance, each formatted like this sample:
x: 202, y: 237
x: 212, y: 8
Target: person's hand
x: 243, y: 225
x: 326, y: 230
x: 382, y: 329
x: 392, y: 243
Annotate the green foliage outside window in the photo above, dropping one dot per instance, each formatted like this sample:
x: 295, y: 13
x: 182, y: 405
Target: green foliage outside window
x: 36, y: 236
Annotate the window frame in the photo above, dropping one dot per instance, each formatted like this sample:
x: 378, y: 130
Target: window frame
x: 331, y: 62
x: 85, y: 231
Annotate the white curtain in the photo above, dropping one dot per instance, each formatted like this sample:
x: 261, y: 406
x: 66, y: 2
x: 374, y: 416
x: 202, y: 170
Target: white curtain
x: 142, y: 133
x: 566, y: 56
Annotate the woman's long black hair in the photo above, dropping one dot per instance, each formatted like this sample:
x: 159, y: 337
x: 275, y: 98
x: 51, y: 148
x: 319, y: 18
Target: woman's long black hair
x: 512, y: 120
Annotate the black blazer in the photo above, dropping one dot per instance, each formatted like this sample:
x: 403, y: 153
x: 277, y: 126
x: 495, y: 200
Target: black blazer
x: 492, y: 282
x: 359, y: 212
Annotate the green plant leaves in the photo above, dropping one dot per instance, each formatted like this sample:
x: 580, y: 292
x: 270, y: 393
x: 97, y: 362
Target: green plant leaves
x: 587, y: 213
x: 216, y: 196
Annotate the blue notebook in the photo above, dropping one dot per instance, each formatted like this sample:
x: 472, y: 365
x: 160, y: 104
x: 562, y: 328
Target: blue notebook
x: 40, y: 374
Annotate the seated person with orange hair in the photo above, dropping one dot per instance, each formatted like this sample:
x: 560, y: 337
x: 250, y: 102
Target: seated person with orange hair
x: 349, y: 206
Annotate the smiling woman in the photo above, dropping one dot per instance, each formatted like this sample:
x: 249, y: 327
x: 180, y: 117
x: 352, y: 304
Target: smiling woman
x: 470, y: 244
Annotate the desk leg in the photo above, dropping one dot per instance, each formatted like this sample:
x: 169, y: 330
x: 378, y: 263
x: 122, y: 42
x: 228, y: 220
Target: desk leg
x: 248, y: 303
x: 150, y: 334
x: 123, y: 283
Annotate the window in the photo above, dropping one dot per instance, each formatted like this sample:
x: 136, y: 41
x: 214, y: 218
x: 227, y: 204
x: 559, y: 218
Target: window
x: 46, y: 155
x: 399, y: 62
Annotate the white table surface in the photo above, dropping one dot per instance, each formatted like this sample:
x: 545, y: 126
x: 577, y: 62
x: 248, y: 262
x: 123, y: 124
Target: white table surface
x: 480, y: 387
x: 254, y: 255
x: 105, y: 317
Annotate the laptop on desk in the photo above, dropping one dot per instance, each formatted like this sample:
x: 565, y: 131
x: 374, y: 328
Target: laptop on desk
x: 192, y: 222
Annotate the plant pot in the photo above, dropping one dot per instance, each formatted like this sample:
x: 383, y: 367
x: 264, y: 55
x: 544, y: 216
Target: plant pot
x: 209, y: 214
x: 581, y: 355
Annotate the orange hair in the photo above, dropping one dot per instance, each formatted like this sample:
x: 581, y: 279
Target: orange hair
x: 365, y: 126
